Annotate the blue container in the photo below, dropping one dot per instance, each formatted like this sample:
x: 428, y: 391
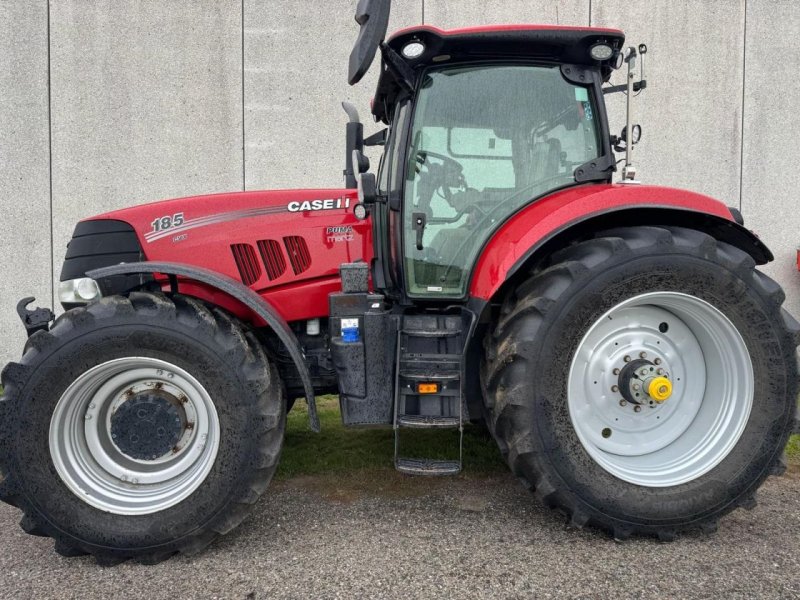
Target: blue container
x: 350, y: 331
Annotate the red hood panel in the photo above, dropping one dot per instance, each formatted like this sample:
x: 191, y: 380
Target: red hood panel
x: 274, y: 241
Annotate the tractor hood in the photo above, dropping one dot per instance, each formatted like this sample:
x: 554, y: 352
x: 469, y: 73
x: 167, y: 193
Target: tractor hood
x: 269, y: 240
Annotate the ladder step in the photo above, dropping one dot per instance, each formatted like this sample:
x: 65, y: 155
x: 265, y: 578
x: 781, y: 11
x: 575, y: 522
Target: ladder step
x: 421, y: 466
x: 431, y: 333
x: 417, y: 376
x: 427, y: 421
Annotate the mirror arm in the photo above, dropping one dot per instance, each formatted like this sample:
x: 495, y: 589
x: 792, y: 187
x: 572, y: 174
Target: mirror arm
x: 376, y: 139
x: 637, y: 86
x: 398, y: 66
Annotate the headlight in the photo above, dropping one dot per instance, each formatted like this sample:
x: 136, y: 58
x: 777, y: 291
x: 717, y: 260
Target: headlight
x: 413, y: 50
x: 78, y: 291
x: 601, y: 51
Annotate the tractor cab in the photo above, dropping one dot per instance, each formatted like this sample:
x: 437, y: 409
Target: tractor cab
x: 481, y: 121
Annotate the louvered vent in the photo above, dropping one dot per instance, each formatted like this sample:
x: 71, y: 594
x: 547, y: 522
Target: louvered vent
x: 247, y: 263
x: 297, y: 249
x: 272, y: 255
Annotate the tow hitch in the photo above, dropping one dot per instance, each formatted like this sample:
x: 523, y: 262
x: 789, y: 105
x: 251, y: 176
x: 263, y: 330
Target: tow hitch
x: 34, y: 320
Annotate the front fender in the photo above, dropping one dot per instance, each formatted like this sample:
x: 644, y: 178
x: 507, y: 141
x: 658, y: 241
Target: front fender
x: 236, y: 290
x: 566, y: 216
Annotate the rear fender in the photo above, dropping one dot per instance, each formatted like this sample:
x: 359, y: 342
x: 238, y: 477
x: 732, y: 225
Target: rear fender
x: 229, y: 289
x: 577, y: 213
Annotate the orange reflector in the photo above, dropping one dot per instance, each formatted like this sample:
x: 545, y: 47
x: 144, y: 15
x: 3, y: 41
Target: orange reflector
x: 427, y: 388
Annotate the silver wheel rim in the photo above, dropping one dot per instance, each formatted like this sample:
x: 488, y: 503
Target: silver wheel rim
x: 92, y: 465
x: 682, y: 438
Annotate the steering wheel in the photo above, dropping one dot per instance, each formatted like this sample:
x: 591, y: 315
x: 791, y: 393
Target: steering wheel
x: 487, y: 215
x: 447, y: 176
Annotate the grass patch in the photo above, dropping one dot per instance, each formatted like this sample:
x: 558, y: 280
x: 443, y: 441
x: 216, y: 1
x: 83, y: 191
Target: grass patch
x: 339, y: 449
x: 793, y: 450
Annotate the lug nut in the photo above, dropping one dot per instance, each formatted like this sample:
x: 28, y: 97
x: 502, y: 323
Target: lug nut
x: 623, y: 402
x: 614, y: 388
x: 637, y: 408
x: 660, y: 371
x: 627, y: 358
x: 636, y: 386
x: 642, y: 354
x: 657, y: 361
x: 616, y: 371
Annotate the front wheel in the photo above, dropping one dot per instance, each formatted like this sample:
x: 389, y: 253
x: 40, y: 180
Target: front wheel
x: 138, y: 427
x: 645, y: 382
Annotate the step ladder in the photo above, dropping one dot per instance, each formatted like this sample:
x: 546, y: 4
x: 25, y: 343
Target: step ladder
x: 429, y: 357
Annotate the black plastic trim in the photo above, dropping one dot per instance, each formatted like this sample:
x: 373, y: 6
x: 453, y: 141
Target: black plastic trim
x: 736, y: 214
x: 243, y: 294
x: 100, y: 243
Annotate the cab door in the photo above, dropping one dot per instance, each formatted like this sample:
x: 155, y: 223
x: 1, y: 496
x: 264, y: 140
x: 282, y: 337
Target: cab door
x: 485, y: 141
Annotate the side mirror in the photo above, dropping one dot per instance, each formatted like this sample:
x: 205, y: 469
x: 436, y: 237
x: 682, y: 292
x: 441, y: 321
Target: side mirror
x: 367, y: 188
x: 373, y: 19
x: 360, y: 162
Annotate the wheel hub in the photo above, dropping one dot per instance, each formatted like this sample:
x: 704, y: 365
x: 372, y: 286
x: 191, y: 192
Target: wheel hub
x: 659, y: 388
x: 148, y: 425
x: 642, y: 382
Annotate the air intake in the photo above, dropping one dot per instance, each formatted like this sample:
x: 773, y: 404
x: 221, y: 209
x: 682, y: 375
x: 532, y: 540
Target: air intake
x: 272, y: 255
x: 297, y: 249
x: 247, y: 263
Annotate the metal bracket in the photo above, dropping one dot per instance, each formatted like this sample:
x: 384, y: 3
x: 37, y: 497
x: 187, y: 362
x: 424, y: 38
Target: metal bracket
x: 637, y: 87
x: 34, y: 320
x: 597, y: 169
x: 578, y: 74
x: 394, y: 61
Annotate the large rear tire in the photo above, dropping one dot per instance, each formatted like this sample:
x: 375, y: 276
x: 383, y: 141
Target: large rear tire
x: 138, y: 427
x: 668, y: 311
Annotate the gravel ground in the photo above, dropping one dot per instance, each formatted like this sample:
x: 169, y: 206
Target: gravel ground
x: 400, y: 538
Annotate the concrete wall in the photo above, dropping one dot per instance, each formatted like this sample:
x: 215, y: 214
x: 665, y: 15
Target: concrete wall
x: 107, y: 103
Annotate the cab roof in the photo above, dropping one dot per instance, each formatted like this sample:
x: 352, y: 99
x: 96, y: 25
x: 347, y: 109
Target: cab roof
x: 545, y: 43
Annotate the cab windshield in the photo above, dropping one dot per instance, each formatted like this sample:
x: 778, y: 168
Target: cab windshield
x: 485, y: 141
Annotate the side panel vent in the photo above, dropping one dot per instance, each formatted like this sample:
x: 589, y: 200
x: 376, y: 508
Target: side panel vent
x: 247, y: 263
x: 297, y: 249
x: 272, y: 255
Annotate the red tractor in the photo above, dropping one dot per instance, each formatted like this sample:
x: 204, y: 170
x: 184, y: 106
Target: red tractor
x: 636, y: 370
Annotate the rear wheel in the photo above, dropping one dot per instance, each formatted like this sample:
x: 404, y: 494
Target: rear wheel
x: 645, y: 382
x: 139, y: 427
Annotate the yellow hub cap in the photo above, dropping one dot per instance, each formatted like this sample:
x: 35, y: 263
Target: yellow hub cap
x: 659, y: 389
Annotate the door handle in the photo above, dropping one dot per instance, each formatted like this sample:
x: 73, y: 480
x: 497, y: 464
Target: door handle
x: 419, y: 221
